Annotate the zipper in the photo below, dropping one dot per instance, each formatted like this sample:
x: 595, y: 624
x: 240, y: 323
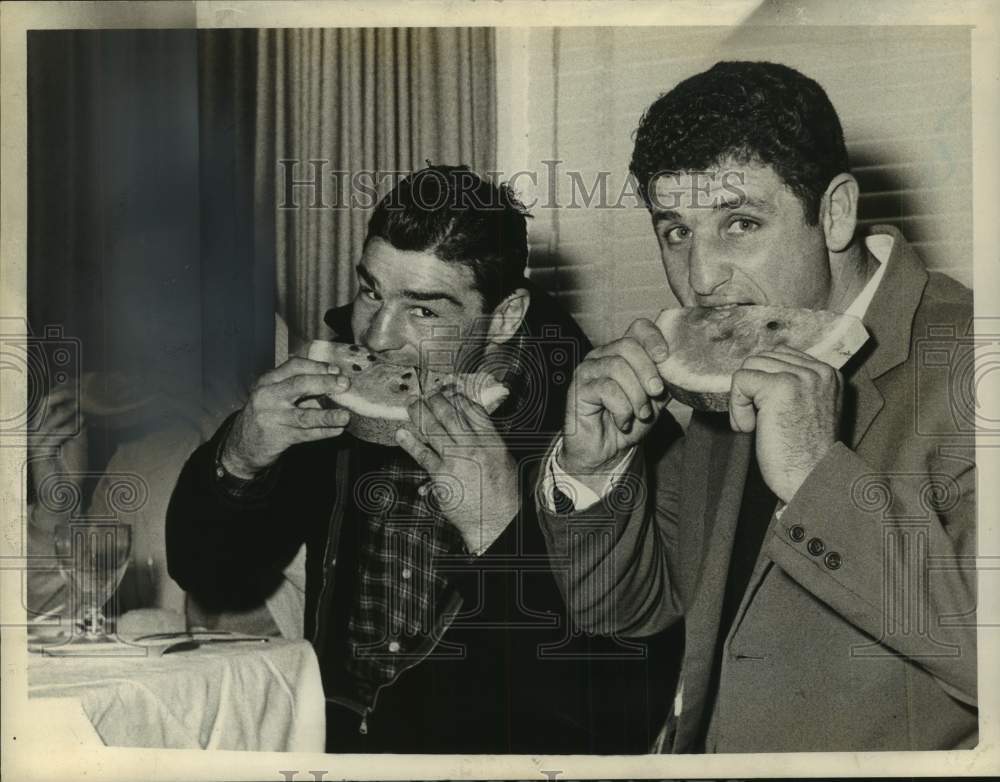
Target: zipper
x: 363, y: 727
x: 342, y: 465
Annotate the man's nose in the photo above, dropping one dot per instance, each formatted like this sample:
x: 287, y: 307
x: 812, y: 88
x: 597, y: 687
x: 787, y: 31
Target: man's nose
x: 383, y: 332
x: 708, y: 270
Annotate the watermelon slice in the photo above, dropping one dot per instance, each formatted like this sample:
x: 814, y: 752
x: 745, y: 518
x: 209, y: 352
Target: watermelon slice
x: 708, y: 344
x: 381, y: 392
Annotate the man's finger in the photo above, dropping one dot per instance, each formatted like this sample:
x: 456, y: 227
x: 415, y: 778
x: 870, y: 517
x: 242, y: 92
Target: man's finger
x: 743, y: 398
x: 475, y: 414
x: 620, y: 371
x: 447, y: 411
x: 320, y: 433
x: 614, y: 399
x: 800, y: 359
x: 309, y: 418
x: 295, y: 387
x: 639, y: 360
x: 297, y: 366
x: 425, y: 420
x: 645, y: 332
x: 421, y: 452
x: 775, y: 365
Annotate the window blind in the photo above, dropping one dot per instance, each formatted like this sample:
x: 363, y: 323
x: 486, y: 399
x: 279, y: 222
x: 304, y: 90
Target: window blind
x: 903, y: 95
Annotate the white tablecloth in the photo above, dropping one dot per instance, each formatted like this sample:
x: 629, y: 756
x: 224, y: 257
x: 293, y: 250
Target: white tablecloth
x: 252, y: 696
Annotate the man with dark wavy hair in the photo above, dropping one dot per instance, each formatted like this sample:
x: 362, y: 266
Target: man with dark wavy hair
x: 438, y: 626
x: 793, y: 533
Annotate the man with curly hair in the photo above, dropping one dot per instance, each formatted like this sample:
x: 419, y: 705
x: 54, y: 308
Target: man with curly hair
x: 438, y: 626
x: 815, y: 538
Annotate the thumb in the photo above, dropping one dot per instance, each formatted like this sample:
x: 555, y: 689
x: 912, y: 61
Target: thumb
x: 742, y: 411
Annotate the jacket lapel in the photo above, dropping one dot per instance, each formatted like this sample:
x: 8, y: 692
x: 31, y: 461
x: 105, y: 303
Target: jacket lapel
x: 718, y: 488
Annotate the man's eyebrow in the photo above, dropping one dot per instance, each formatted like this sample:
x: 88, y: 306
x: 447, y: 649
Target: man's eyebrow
x: 665, y: 215
x: 743, y: 200
x: 431, y: 296
x: 369, y: 279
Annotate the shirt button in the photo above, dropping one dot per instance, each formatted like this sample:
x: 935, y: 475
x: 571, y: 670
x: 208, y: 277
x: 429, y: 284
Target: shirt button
x: 833, y: 560
x: 406, y: 572
x: 815, y: 546
x: 796, y: 533
x: 394, y: 646
x: 219, y: 472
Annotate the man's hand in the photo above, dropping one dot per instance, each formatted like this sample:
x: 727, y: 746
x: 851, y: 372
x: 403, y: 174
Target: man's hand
x: 614, y: 400
x: 794, y: 403
x: 473, y: 475
x: 270, y: 422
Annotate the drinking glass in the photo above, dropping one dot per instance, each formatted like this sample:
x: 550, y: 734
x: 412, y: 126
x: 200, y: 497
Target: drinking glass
x: 93, y: 558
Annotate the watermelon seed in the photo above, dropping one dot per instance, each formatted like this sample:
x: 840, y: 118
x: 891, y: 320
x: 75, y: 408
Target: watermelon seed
x: 723, y: 336
x: 354, y: 348
x: 355, y: 367
x: 403, y: 387
x: 773, y: 325
x: 406, y: 375
x: 371, y: 357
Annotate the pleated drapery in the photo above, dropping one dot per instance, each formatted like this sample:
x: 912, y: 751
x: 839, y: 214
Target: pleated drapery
x: 362, y: 107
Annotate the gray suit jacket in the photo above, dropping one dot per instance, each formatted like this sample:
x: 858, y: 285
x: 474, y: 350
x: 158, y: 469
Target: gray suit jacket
x: 857, y: 629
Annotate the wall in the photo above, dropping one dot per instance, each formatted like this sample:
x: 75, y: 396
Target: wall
x: 575, y: 95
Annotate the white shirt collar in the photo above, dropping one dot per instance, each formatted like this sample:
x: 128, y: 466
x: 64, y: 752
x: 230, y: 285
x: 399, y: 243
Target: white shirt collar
x: 880, y: 246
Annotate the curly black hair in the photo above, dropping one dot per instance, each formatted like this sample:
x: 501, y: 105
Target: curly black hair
x: 461, y: 218
x: 749, y: 112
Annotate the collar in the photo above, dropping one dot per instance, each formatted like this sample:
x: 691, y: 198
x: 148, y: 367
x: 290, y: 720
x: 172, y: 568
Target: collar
x: 896, y: 290
x: 880, y: 248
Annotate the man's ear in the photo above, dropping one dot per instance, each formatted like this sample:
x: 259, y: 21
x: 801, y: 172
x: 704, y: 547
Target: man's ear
x: 839, y: 212
x: 508, y: 316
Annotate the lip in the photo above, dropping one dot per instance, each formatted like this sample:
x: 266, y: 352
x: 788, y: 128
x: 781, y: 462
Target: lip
x: 722, y: 303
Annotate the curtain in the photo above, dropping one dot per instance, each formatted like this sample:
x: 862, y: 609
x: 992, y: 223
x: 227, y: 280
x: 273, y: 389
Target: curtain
x: 150, y: 252
x: 361, y: 104
x: 236, y: 220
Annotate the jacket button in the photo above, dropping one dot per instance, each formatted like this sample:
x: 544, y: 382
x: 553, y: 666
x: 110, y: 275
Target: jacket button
x: 394, y: 646
x: 796, y: 533
x: 815, y: 546
x: 833, y: 560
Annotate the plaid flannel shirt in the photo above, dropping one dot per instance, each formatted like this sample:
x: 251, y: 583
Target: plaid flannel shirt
x: 401, y: 609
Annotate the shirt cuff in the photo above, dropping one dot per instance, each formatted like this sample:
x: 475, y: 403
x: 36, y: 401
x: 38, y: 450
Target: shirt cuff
x: 573, y: 494
x: 235, y: 487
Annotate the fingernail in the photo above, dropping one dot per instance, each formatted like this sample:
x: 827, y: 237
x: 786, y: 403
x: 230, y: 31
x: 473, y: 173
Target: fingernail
x: 342, y: 382
x: 660, y: 354
x: 627, y: 426
x: 333, y: 369
x: 656, y: 385
x: 645, y: 412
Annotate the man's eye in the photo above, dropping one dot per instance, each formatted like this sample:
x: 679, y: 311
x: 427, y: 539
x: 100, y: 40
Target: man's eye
x: 742, y: 225
x: 368, y: 293
x: 423, y: 312
x: 677, y: 234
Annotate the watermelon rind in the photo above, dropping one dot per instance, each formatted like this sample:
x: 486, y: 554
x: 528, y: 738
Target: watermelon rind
x: 377, y: 422
x: 699, y: 374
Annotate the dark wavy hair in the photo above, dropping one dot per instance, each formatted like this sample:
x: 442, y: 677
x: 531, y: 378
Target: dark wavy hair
x: 461, y: 218
x: 751, y: 112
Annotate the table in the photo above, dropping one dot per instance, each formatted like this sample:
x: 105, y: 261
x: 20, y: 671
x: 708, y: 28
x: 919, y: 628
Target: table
x: 242, y: 696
